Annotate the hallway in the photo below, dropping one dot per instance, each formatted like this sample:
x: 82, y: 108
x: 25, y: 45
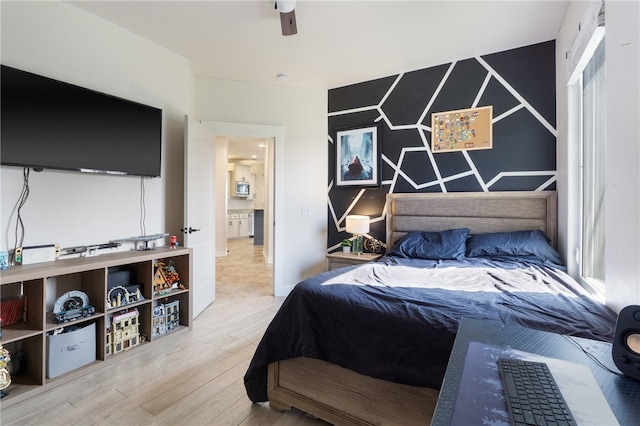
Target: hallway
x: 243, y: 272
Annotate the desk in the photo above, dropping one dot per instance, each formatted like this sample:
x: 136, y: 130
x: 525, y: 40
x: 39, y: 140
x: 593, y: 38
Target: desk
x: 622, y: 393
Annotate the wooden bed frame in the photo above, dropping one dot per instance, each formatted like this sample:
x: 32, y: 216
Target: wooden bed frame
x: 343, y: 397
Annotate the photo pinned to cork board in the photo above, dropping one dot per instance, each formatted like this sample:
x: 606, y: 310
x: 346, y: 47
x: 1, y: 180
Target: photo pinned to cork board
x: 358, y: 156
x: 462, y: 130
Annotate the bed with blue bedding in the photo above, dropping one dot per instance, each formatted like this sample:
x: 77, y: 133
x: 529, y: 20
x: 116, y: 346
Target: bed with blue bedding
x: 395, y: 320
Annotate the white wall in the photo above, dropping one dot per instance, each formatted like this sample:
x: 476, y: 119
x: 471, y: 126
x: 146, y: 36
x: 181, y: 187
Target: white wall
x: 303, y: 112
x: 221, y: 194
x: 623, y: 150
x: 60, y: 41
x: 622, y: 196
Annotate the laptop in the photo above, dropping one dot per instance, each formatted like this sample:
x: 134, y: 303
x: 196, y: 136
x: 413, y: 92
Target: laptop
x: 481, y: 399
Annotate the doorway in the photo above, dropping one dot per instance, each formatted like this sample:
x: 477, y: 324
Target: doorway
x: 243, y: 272
x: 248, y: 181
x: 275, y: 137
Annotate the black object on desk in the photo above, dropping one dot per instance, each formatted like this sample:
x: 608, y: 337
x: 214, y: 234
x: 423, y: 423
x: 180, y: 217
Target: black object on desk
x: 622, y: 393
x: 531, y: 393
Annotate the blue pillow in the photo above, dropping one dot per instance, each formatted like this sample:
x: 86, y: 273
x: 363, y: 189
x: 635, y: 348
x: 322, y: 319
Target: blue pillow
x: 517, y: 243
x: 450, y: 244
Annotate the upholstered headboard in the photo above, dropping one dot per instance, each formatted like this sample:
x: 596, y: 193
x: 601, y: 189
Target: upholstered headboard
x: 481, y: 212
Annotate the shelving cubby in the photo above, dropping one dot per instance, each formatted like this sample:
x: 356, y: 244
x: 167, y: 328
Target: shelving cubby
x: 43, y: 283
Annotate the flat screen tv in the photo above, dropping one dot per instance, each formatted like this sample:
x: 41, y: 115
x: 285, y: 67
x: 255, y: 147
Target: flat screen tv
x: 50, y: 124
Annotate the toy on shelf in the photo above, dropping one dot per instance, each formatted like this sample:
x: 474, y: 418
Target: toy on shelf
x: 119, y: 296
x: 124, y: 332
x: 146, y: 239
x: 166, y: 278
x: 172, y: 315
x: 72, y: 305
x: 121, y: 289
x: 159, y: 325
x: 166, y: 317
x: 5, y: 377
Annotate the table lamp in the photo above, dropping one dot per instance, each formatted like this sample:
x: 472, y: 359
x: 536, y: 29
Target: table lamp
x: 357, y: 225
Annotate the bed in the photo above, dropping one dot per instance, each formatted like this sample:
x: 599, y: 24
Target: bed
x: 369, y: 344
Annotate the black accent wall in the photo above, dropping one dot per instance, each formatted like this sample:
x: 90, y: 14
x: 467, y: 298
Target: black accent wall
x: 518, y: 83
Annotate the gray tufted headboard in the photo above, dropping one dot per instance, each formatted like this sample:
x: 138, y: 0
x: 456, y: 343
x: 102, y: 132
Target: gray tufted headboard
x: 481, y: 212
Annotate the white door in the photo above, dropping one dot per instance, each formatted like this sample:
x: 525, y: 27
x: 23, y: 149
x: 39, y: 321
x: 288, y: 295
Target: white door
x: 199, y: 211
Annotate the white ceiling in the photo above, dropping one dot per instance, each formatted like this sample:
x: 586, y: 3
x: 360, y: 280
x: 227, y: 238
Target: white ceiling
x: 245, y: 148
x: 338, y: 42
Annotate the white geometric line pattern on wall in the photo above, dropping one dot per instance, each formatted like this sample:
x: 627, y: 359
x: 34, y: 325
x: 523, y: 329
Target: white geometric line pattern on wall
x: 465, y: 166
x: 517, y: 95
x: 420, y: 128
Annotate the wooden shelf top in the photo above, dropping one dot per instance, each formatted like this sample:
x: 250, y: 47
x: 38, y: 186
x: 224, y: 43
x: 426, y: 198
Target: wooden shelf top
x: 58, y: 267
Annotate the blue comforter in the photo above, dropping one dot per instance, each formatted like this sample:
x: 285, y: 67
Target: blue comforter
x: 396, y: 319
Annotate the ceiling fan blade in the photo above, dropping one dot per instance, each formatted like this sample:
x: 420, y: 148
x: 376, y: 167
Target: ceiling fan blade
x: 288, y: 23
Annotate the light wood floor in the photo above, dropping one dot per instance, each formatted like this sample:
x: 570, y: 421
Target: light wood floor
x: 193, y: 378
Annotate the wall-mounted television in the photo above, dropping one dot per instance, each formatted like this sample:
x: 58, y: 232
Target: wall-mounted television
x: 50, y: 124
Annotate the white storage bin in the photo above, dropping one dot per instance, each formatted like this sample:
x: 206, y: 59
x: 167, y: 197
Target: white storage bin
x: 70, y: 350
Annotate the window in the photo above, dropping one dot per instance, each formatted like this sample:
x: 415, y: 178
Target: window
x: 586, y: 79
x: 593, y: 170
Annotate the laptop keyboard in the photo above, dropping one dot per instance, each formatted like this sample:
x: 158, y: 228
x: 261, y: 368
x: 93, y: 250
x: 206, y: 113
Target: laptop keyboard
x: 533, y: 398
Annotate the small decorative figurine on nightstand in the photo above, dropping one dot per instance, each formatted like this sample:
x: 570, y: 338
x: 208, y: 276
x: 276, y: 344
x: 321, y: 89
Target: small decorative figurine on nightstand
x: 173, y: 242
x: 346, y: 245
x: 5, y: 377
x: 371, y: 245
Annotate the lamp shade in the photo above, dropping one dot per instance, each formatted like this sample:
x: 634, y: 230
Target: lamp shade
x: 357, y: 224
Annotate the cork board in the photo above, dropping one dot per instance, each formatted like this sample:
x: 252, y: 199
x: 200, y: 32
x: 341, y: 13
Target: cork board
x: 462, y: 129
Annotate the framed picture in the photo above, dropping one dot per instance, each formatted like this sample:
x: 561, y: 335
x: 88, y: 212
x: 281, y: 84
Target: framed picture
x: 462, y: 129
x: 358, y: 156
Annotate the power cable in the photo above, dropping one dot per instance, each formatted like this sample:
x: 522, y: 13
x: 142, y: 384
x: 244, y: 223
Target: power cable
x: 143, y: 208
x: 22, y: 199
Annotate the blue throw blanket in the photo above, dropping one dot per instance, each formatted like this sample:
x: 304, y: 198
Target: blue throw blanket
x: 396, y: 319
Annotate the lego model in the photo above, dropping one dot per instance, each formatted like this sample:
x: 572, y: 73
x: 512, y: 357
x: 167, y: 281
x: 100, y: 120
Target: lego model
x: 172, y: 315
x: 124, y: 332
x: 160, y: 284
x: 72, y: 305
x: 166, y: 278
x: 159, y: 326
x: 119, y: 296
x: 166, y: 317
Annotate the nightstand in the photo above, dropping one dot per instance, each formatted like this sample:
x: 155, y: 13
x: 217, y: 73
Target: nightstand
x: 341, y: 259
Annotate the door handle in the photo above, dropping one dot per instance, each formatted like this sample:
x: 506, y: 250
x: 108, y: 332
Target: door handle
x: 190, y: 230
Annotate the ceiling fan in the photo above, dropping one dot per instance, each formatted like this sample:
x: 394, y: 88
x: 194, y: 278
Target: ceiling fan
x: 287, y: 16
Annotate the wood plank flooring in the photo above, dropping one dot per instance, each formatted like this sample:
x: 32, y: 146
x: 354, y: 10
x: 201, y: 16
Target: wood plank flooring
x: 192, y: 378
